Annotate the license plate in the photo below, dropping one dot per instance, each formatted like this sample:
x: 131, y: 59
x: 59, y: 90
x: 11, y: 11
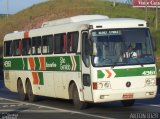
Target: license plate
x: 128, y: 96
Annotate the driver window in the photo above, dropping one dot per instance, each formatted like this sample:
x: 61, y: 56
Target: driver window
x: 85, y: 48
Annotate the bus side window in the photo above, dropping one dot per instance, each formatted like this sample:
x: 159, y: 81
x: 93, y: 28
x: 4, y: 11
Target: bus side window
x: 8, y: 48
x: 72, y: 42
x: 60, y: 43
x: 47, y: 44
x: 36, y: 45
x: 17, y: 47
x: 26, y: 46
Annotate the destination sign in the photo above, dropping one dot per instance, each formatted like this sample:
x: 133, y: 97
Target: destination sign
x: 106, y: 32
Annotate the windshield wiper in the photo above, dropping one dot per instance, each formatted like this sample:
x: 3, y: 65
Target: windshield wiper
x: 115, y: 63
x: 139, y: 62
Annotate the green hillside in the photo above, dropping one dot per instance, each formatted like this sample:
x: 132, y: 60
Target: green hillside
x: 34, y: 16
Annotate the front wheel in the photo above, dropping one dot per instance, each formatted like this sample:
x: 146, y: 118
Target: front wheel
x: 128, y: 103
x: 76, y: 101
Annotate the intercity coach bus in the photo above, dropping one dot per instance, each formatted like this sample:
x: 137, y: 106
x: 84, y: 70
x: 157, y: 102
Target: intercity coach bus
x: 85, y: 58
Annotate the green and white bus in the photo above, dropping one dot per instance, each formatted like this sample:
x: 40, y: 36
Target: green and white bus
x: 84, y: 58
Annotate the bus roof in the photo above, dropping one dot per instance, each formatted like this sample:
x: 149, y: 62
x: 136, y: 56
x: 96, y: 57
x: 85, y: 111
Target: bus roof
x: 119, y: 23
x: 78, y: 23
x: 79, y: 18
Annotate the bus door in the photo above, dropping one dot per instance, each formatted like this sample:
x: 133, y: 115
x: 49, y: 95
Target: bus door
x: 86, y: 79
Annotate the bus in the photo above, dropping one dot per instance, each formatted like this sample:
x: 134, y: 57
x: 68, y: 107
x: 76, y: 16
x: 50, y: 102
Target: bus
x: 83, y: 58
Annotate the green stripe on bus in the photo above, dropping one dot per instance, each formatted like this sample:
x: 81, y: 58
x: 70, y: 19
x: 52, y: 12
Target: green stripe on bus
x: 134, y: 71
x: 13, y: 64
x: 77, y: 62
x: 25, y: 63
x: 100, y: 74
x: 41, y: 80
x: 56, y: 63
x: 128, y: 72
x: 37, y: 67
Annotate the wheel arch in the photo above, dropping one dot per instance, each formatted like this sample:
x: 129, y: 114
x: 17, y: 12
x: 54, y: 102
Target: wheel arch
x: 70, y: 90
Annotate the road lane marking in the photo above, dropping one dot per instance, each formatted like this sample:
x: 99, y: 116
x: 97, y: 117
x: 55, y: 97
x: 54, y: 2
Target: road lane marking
x: 63, y: 110
x: 5, y: 106
x: 148, y: 104
x: 8, y: 103
x: 32, y: 111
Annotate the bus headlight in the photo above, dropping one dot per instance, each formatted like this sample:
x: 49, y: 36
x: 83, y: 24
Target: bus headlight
x: 100, y: 85
x: 104, y: 85
x: 150, y: 82
x: 107, y: 84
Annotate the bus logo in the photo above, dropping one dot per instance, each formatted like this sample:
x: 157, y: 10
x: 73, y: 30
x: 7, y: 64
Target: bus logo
x: 7, y: 63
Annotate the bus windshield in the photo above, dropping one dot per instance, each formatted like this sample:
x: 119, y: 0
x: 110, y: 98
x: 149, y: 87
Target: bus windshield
x: 113, y: 47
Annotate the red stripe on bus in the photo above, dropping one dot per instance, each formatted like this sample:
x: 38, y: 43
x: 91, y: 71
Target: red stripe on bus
x: 64, y: 38
x: 109, y: 73
x: 26, y: 34
x: 35, y: 77
x: 31, y: 63
x: 42, y: 63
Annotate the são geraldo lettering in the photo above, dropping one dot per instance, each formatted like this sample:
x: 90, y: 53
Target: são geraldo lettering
x: 63, y: 65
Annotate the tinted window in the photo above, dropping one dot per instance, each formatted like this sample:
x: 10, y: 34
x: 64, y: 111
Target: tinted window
x: 72, y: 42
x: 36, y: 45
x: 17, y: 47
x: 8, y: 48
x: 47, y: 47
x: 60, y: 43
x: 26, y: 44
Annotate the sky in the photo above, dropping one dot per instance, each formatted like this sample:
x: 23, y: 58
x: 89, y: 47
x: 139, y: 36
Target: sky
x: 16, y: 5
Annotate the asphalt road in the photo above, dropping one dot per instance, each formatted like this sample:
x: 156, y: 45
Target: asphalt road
x: 46, y: 108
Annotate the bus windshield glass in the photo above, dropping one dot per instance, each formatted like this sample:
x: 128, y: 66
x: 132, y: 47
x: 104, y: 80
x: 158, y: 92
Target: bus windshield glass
x: 122, y: 47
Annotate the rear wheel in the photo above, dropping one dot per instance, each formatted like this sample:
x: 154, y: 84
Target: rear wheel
x: 76, y: 101
x: 20, y: 88
x: 128, y: 103
x: 30, y: 94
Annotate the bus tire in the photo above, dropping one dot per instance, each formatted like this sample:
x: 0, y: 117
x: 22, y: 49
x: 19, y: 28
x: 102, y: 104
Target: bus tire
x: 31, y: 96
x: 128, y: 103
x: 20, y: 88
x: 76, y: 101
